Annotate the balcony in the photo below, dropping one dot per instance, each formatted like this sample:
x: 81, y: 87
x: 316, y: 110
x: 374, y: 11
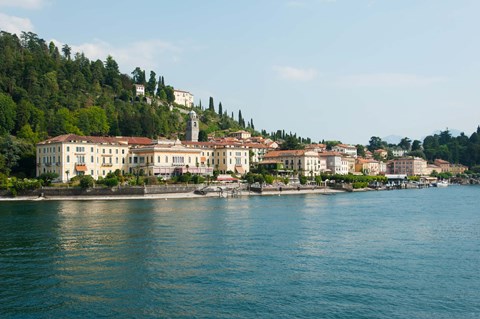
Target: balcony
x: 107, y: 164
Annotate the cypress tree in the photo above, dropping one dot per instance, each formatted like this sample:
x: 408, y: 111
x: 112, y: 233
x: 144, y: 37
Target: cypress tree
x: 211, y: 107
x: 220, y: 109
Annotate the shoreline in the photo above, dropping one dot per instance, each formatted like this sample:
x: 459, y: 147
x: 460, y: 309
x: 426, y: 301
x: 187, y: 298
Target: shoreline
x: 166, y: 196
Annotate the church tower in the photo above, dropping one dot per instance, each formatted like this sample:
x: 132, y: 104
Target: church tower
x: 192, y: 127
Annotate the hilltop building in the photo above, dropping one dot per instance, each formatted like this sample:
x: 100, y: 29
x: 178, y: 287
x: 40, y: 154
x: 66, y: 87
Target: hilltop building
x: 184, y: 98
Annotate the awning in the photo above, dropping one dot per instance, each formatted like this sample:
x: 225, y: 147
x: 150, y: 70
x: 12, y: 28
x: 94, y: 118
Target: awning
x: 240, y: 170
x: 81, y: 168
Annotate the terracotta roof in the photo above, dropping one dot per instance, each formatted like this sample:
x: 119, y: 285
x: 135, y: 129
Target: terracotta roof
x: 284, y: 153
x: 329, y: 153
x: 98, y: 139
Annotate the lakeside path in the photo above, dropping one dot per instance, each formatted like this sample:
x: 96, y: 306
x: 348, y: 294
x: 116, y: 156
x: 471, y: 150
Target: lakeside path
x: 167, y: 196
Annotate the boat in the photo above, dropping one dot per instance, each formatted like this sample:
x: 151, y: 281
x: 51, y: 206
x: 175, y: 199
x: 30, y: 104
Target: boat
x: 441, y: 184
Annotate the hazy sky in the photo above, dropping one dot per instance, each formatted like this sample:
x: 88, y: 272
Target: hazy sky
x: 326, y: 69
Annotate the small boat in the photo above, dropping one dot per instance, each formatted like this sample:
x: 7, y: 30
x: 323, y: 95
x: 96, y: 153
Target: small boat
x: 441, y: 184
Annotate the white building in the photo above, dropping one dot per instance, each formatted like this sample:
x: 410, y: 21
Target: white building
x: 184, y: 98
x: 349, y: 150
x: 336, y: 163
x: 139, y: 89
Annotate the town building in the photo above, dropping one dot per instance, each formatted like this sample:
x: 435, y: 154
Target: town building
x: 398, y: 152
x: 241, y: 135
x: 166, y: 159
x: 367, y: 166
x: 184, y: 98
x: 410, y: 166
x: 139, y: 90
x: 336, y: 163
x: 72, y: 155
x: 349, y: 150
x: 304, y: 162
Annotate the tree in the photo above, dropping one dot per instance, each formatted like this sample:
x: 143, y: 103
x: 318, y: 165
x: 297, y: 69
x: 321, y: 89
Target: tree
x: 211, y: 106
x: 220, y: 109
x: 67, y: 51
x: 151, y: 84
x: 360, y: 150
x: 47, y: 178
x: 138, y: 76
x: 405, y: 144
x: 416, y: 145
x: 86, y: 182
x: 7, y: 113
x: 92, y: 121
x: 375, y: 143
x: 202, y: 136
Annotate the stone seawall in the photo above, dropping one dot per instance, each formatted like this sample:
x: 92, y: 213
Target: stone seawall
x: 114, y: 191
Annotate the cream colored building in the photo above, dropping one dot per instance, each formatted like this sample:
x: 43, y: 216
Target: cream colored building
x: 303, y: 161
x: 73, y: 155
x: 224, y: 156
x: 350, y: 150
x: 241, y: 135
x: 336, y: 163
x: 184, y: 98
x: 166, y: 159
x: 367, y: 166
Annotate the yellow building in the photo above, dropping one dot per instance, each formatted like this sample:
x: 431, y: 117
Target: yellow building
x: 73, y: 155
x: 304, y: 162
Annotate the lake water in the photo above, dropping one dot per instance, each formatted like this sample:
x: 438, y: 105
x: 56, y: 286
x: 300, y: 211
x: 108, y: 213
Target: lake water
x: 392, y: 254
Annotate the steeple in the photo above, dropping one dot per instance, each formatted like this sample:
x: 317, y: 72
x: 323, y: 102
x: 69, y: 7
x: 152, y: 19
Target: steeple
x: 192, y: 127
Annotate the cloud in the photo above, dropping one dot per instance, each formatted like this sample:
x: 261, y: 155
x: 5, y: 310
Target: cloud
x: 25, y: 4
x: 14, y: 24
x: 388, y: 80
x: 147, y: 54
x: 295, y: 74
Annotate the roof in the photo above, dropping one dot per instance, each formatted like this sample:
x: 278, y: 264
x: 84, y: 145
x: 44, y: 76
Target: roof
x: 441, y: 161
x: 175, y: 90
x: 273, y: 154
x: 98, y: 139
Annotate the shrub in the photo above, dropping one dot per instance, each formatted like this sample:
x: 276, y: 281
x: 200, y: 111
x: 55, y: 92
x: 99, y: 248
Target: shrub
x: 86, y: 181
x: 110, y: 182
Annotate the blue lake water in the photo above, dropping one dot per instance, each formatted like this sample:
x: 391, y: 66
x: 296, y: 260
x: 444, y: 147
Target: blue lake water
x: 392, y: 254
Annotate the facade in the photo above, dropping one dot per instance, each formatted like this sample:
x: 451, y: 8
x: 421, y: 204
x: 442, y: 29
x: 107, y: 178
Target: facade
x: 73, y: 155
x: 398, y: 152
x: 167, y: 159
x: 349, y: 150
x: 336, y: 163
x: 193, y: 127
x: 241, y: 135
x: 303, y: 161
x: 225, y: 157
x: 139, y: 90
x: 183, y: 98
x: 257, y: 152
x: 367, y: 166
x: 410, y: 166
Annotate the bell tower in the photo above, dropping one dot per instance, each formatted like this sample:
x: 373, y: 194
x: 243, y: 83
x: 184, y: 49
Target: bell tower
x: 192, y: 127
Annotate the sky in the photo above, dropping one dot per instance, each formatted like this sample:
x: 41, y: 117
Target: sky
x: 325, y: 69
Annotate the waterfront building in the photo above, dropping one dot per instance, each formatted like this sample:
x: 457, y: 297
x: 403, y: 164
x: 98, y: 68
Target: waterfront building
x: 184, y: 98
x: 304, y: 162
x: 166, y: 159
x: 72, y: 155
x: 223, y: 156
x: 410, y: 166
x: 367, y: 166
x: 336, y: 163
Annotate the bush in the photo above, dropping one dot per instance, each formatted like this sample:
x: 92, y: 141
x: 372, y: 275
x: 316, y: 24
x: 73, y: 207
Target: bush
x: 110, y: 182
x: 86, y: 181
x: 47, y: 178
x: 21, y: 185
x: 357, y: 185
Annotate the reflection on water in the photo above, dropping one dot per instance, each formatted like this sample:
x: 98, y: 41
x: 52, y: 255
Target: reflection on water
x: 401, y: 254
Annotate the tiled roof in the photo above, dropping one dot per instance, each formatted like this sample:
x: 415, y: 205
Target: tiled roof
x: 98, y: 139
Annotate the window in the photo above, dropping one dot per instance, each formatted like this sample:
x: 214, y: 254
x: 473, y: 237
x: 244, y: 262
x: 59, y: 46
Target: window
x: 59, y: 148
x: 103, y: 151
x: 91, y: 159
x: 116, y: 151
x: 91, y: 172
x: 68, y: 148
x: 110, y: 151
x: 158, y: 159
x: 68, y: 158
x: 91, y: 150
x: 166, y: 159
